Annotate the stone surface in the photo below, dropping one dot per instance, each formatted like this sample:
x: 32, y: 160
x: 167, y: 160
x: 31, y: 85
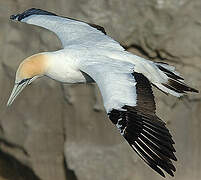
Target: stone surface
x: 61, y: 132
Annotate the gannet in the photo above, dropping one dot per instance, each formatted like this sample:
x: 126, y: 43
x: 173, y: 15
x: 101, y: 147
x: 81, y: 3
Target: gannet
x: 124, y: 79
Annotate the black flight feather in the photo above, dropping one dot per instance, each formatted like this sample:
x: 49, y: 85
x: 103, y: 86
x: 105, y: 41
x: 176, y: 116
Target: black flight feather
x: 144, y: 131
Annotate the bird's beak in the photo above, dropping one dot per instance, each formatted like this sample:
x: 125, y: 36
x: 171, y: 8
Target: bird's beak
x: 16, y: 90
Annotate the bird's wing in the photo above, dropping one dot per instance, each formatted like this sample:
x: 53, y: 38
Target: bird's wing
x: 129, y: 102
x: 69, y: 31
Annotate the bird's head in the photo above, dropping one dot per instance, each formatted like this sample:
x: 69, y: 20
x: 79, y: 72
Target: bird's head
x: 29, y: 70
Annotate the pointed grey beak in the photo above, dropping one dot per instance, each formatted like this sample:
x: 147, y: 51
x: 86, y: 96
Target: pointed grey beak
x: 16, y: 90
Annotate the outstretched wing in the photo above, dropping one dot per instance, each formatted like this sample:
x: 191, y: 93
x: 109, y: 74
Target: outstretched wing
x: 130, y: 105
x: 69, y: 31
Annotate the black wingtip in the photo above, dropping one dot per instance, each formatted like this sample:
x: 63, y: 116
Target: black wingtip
x: 14, y: 17
x: 29, y: 12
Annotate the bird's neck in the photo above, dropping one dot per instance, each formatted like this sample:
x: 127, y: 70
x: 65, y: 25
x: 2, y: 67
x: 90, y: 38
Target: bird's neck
x: 62, y: 67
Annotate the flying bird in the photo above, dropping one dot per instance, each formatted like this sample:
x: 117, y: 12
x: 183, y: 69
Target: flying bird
x: 124, y: 79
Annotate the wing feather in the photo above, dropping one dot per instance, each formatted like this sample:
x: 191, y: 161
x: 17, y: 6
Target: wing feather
x: 144, y: 131
x: 70, y: 31
x: 114, y: 79
x: 129, y: 101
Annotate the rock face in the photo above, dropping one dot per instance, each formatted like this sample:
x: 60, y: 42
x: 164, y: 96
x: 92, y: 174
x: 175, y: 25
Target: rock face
x: 61, y: 132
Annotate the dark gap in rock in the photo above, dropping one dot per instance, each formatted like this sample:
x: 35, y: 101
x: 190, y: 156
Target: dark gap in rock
x: 70, y: 174
x: 169, y: 57
x: 12, y: 169
x: 11, y: 145
x: 139, y: 48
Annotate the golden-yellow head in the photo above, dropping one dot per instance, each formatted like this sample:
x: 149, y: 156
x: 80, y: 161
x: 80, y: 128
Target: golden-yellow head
x: 29, y: 70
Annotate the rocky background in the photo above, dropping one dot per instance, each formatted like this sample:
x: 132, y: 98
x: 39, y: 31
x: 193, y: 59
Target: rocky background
x: 61, y: 132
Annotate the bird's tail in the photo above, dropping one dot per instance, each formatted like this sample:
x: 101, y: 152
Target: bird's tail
x: 161, y: 75
x: 174, y: 83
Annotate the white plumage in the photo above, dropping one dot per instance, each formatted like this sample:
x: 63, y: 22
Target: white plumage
x: 89, y: 55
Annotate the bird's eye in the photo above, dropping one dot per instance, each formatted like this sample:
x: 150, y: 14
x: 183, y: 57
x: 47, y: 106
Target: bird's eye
x: 23, y: 81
